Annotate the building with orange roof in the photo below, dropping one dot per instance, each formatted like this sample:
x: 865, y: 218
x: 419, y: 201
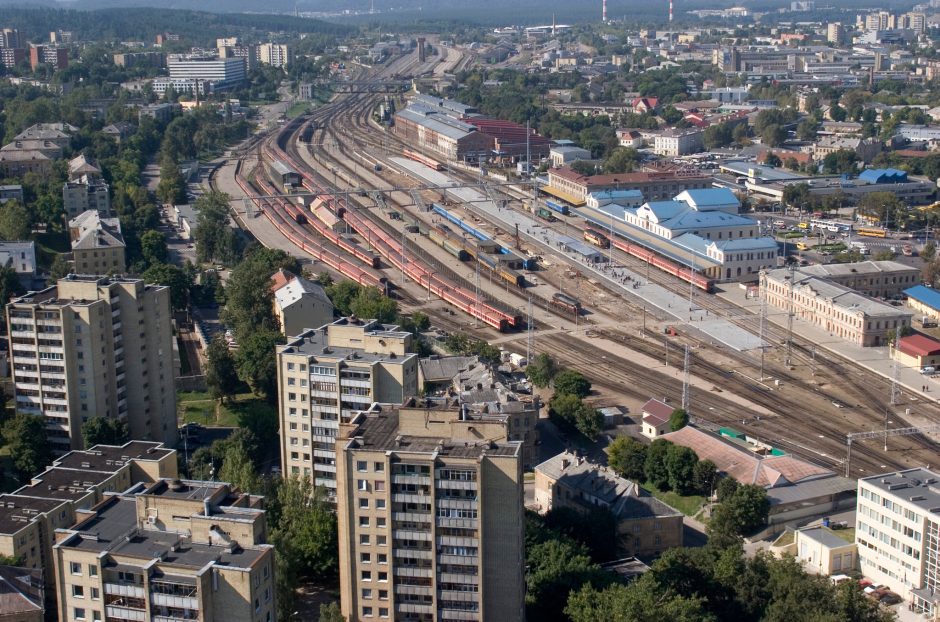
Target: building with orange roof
x: 918, y: 351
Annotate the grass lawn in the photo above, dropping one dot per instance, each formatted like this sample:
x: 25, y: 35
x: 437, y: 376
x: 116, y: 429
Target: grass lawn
x: 688, y: 505
x: 196, y: 407
x: 297, y: 109
x: 846, y: 534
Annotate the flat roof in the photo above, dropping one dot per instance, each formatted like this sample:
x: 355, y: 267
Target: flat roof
x: 17, y: 511
x: 63, y: 483
x: 824, y: 536
x: 378, y: 431
x: 110, y: 458
x: 856, y: 268
x: 846, y: 298
x: 919, y: 487
x: 315, y: 342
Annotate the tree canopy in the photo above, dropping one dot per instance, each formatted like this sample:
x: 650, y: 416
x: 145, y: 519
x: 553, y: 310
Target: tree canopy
x: 105, y: 431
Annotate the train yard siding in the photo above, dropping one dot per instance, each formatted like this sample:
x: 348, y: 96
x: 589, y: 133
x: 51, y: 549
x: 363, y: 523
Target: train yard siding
x: 628, y: 282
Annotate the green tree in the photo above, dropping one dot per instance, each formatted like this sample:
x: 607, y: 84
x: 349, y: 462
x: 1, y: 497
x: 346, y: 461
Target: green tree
x: 342, y: 295
x: 655, y: 469
x: 718, y: 135
x: 172, y: 187
x: 678, y: 419
x: 153, y: 247
x: 570, y: 382
x: 173, y: 277
x: 330, y: 612
x: 214, y: 238
x: 627, y: 457
x: 305, y: 537
x: 929, y: 252
x: 14, y: 222
x: 554, y: 568
x: 634, y: 603
x: 584, y: 167
x: 772, y: 159
x: 680, y: 465
x: 371, y: 303
x: 840, y: 162
x: 25, y: 435
x: 727, y: 486
x: 256, y: 361
x: 621, y: 160
x: 541, y: 370
x: 837, y: 113
x: 570, y: 412
x: 796, y: 195
x: 885, y: 207
x: 10, y: 284
x: 703, y: 477
x: 807, y: 129
x: 249, y: 300
x: 105, y: 431
x: 739, y: 134
x: 739, y: 514
x: 221, y: 374
x: 773, y: 135
x: 60, y: 268
x: 239, y: 469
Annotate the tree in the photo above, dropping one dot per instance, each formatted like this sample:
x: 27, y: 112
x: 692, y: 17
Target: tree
x: 541, y: 370
x: 727, y: 486
x: 773, y: 135
x: 214, y: 238
x: 772, y: 159
x: 330, y: 612
x: 739, y: 514
x: 739, y: 134
x: 678, y: 419
x: 807, y: 129
x: 621, y: 160
x: 14, y: 222
x: 929, y: 252
x: 718, y: 135
x: 555, y: 567
x: 105, y: 431
x: 256, y: 361
x: 627, y: 457
x: 60, y: 268
x: 884, y: 207
x: 840, y: 162
x: 172, y: 187
x: 680, y: 465
x: 633, y: 603
x: 10, y: 284
x: 25, y: 435
x: 796, y: 195
x: 570, y: 382
x: 371, y: 303
x: 703, y: 477
x: 174, y: 278
x: 342, y: 295
x: 837, y: 113
x: 570, y: 412
x: 655, y: 469
x: 221, y: 374
x: 249, y: 300
x: 153, y: 247
x: 304, y: 535
x: 584, y: 167
x: 239, y: 469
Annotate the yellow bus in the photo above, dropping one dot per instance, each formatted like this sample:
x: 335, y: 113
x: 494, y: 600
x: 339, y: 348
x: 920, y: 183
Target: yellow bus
x: 803, y: 225
x: 871, y: 232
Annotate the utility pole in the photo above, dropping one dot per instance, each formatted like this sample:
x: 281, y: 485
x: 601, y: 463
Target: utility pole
x: 790, y: 319
x: 530, y: 329
x: 691, y: 286
x: 895, y: 374
x: 763, y: 317
x: 686, y: 388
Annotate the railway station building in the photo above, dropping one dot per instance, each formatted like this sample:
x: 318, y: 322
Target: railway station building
x: 655, y: 186
x: 917, y: 351
x: 925, y: 301
x: 838, y: 309
x: 878, y: 279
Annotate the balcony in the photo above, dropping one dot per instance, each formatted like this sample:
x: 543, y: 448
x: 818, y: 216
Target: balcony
x: 466, y: 560
x: 456, y: 614
x: 417, y: 590
x: 412, y: 534
x: 412, y: 517
x: 125, y: 613
x: 414, y: 571
x: 125, y: 589
x: 408, y: 478
x: 457, y: 541
x: 407, y: 497
x: 463, y: 523
x: 415, y: 553
x: 414, y: 608
x: 456, y: 484
x: 180, y: 602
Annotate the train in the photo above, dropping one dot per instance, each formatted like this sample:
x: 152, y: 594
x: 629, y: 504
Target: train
x: 443, y: 237
x: 389, y: 247
x: 505, y: 273
x: 545, y: 214
x: 557, y: 207
x: 666, y: 265
x: 526, y: 263
x: 423, y: 159
x: 596, y: 238
x: 568, y: 303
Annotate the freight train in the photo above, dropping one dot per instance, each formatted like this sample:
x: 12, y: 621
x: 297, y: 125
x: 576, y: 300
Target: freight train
x: 567, y: 303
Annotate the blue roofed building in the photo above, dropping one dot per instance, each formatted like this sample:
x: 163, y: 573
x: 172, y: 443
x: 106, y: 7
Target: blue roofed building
x: 883, y: 176
x: 700, y: 228
x: 623, y: 198
x: 924, y: 301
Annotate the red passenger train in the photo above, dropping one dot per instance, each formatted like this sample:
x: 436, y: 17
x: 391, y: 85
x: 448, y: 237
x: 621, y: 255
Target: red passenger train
x: 423, y: 159
x: 666, y: 265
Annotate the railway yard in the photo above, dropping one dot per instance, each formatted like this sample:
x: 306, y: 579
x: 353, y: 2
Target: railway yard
x: 368, y: 218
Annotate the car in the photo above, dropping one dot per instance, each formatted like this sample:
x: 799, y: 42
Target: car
x: 890, y: 599
x: 928, y: 370
x: 838, y: 404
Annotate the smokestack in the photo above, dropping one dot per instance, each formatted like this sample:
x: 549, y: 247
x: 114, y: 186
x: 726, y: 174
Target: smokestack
x: 670, y: 11
x: 604, y: 11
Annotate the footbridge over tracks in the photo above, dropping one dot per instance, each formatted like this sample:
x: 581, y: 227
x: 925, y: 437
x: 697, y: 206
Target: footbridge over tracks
x: 366, y: 86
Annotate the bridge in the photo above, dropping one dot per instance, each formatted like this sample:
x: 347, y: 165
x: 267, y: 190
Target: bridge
x: 366, y: 86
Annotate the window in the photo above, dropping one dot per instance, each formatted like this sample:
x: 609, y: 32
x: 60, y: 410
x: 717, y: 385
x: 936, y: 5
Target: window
x: 363, y: 521
x: 367, y: 612
x: 379, y: 467
x: 383, y: 594
x: 95, y: 594
x: 364, y: 539
x: 383, y: 612
x: 365, y: 558
x: 78, y: 591
x: 380, y: 522
x: 367, y: 592
x: 362, y: 485
x: 383, y: 558
x: 379, y: 486
x: 363, y: 504
x: 75, y: 568
x: 290, y: 367
x: 380, y: 504
x: 78, y: 613
x: 362, y: 466
x: 381, y: 540
x: 291, y: 382
x: 92, y: 570
x: 366, y: 575
x: 383, y: 577
x: 96, y: 616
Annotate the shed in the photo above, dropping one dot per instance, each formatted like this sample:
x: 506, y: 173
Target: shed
x: 656, y: 418
x: 824, y: 551
x: 918, y: 351
x: 924, y: 301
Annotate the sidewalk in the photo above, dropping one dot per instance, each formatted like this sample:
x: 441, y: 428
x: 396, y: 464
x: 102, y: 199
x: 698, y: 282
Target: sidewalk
x: 877, y: 360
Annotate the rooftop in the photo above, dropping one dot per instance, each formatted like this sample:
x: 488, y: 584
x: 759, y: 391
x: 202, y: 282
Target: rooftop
x: 923, y: 294
x: 844, y: 297
x: 65, y: 484
x: 315, y: 343
x: 16, y: 511
x: 594, y: 484
x: 824, y: 536
x: 436, y: 368
x: 110, y: 458
x: 657, y: 412
x: 620, y: 178
x: 378, y: 431
x: 835, y: 270
x: 20, y: 591
x: 919, y: 345
x: 919, y: 487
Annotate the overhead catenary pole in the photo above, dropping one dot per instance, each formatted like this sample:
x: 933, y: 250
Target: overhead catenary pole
x: 686, y: 388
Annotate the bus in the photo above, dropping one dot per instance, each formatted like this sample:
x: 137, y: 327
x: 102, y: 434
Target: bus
x: 803, y: 225
x: 818, y: 224
x: 871, y: 232
x: 802, y: 246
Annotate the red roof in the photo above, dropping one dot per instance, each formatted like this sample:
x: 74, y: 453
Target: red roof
x: 919, y: 345
x: 657, y: 412
x: 281, y: 278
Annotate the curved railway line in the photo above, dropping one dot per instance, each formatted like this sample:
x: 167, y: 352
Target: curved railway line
x: 821, y: 434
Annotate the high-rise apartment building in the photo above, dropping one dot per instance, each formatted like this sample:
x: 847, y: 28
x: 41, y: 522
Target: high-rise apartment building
x: 57, y: 57
x: 328, y: 374
x: 94, y: 346
x: 898, y: 535
x: 85, y: 194
x: 170, y: 550
x: 222, y: 73
x: 430, y: 520
x: 275, y: 54
x: 11, y: 38
x: 835, y: 34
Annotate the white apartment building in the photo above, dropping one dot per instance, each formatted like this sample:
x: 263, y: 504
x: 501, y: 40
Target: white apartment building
x: 94, y: 346
x: 898, y: 535
x: 223, y: 73
x: 86, y: 193
x: 674, y: 143
x: 275, y: 54
x: 328, y: 374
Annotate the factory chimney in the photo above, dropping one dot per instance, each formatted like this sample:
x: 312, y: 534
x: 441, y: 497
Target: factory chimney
x: 604, y: 11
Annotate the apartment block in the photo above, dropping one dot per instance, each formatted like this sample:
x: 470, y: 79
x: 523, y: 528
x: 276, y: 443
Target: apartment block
x: 678, y: 142
x: 898, y: 535
x: 86, y: 194
x: 11, y: 38
x: 275, y: 54
x: 169, y: 550
x: 325, y: 376
x: 97, y: 244
x: 68, y: 345
x: 57, y: 57
x: 430, y: 521
x: 30, y: 516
